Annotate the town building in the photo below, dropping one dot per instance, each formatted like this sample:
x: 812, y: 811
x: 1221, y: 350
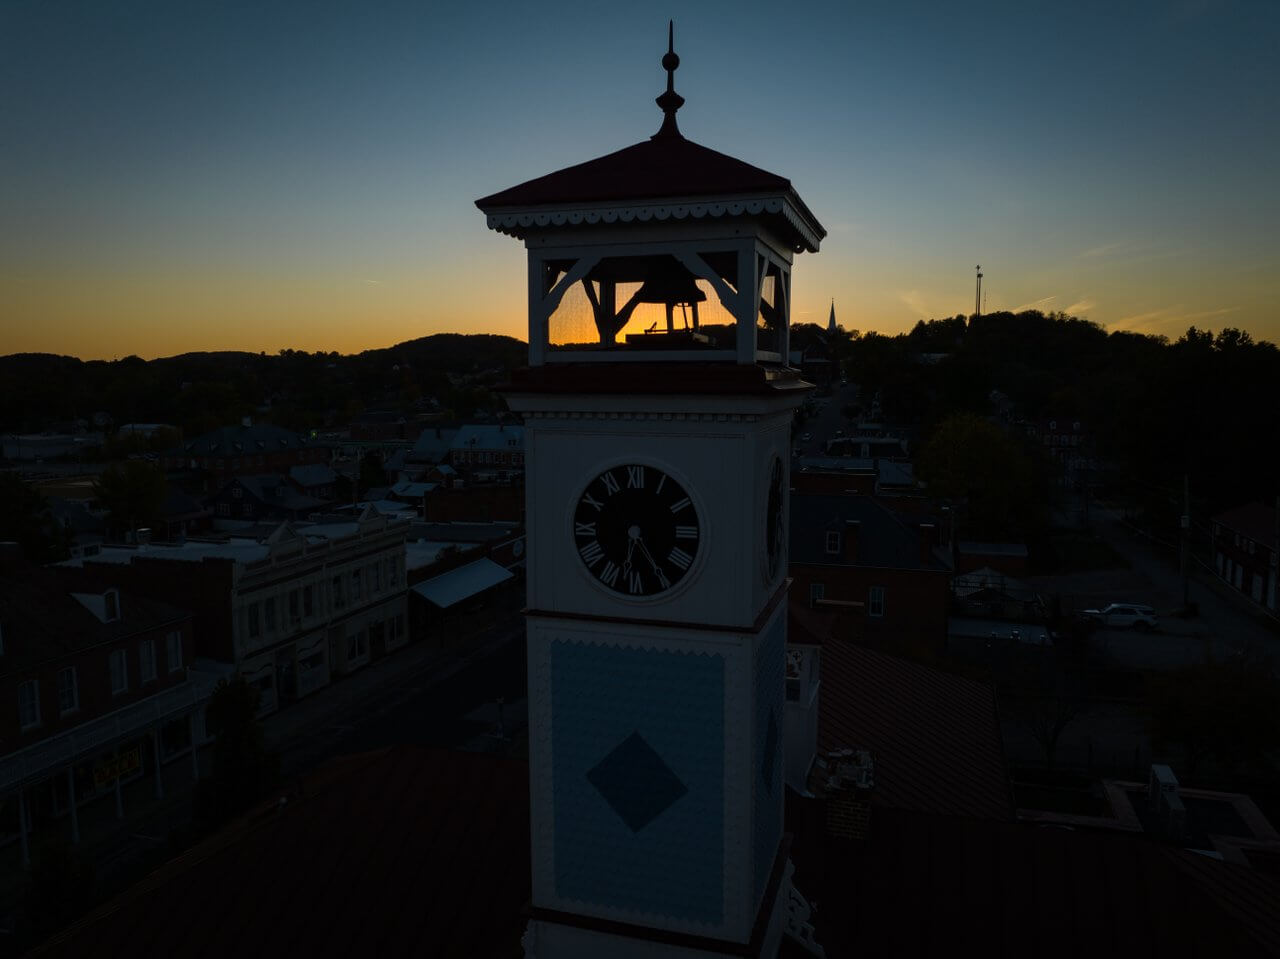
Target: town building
x: 853, y: 550
x: 289, y: 606
x: 1246, y: 549
x: 245, y: 450
x: 97, y: 689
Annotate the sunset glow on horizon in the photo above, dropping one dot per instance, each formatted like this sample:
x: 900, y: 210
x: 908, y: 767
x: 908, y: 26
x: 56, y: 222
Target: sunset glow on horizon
x: 278, y: 176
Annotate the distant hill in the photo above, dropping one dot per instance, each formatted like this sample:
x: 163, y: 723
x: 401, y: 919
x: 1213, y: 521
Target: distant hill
x: 198, y: 390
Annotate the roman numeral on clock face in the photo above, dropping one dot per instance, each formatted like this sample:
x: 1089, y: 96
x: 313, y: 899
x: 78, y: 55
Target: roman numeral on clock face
x: 636, y: 530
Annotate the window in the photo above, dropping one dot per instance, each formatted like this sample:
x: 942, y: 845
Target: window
x: 174, y: 643
x: 224, y: 509
x: 255, y: 625
x: 29, y: 704
x: 111, y: 606
x: 119, y: 673
x: 875, y: 601
x: 338, y: 600
x: 237, y: 492
x: 308, y: 600
x: 816, y: 592
x: 357, y: 646
x: 146, y: 661
x: 293, y: 606
x: 269, y: 614
x: 68, y: 693
x: 355, y: 585
x: 375, y: 577
x: 833, y: 542
x: 248, y: 508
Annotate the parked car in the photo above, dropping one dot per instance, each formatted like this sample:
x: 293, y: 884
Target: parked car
x: 1123, y: 615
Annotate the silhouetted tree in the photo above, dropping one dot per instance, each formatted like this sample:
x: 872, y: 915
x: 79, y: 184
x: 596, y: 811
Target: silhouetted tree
x: 25, y: 519
x: 1227, y: 713
x: 243, y: 769
x: 132, y: 493
x: 972, y: 462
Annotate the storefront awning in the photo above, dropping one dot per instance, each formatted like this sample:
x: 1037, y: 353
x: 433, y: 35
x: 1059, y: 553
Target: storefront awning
x: 453, y: 587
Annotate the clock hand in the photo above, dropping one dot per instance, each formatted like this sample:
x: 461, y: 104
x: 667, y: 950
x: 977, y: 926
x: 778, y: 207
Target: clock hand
x: 633, y: 537
x: 662, y: 577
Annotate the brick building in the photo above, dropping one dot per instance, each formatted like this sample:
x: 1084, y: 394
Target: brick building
x: 289, y: 607
x: 1245, y: 551
x: 246, y: 450
x: 852, y: 550
x: 96, y: 690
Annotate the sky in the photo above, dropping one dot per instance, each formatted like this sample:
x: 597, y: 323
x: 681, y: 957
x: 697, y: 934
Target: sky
x: 180, y: 176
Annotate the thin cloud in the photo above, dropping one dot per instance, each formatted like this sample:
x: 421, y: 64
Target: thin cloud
x: 914, y: 301
x: 1156, y: 320
x: 1034, y: 304
x: 1081, y: 306
x: 374, y: 282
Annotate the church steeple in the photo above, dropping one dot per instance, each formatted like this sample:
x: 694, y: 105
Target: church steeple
x: 831, y: 321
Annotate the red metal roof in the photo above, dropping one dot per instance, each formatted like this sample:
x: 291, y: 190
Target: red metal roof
x: 935, y: 736
x: 663, y: 167
x: 406, y: 851
x: 412, y: 851
x: 1254, y: 520
x: 930, y: 885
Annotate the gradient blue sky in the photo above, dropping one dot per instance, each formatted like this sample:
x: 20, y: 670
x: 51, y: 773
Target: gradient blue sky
x: 223, y: 175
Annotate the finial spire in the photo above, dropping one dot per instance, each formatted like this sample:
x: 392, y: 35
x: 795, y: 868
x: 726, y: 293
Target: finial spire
x: 670, y: 101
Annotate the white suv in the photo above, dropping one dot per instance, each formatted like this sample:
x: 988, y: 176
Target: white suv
x: 1121, y: 615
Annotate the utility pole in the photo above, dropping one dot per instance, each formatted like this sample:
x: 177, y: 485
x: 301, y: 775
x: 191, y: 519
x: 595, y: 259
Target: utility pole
x: 1186, y: 536
x: 977, y: 295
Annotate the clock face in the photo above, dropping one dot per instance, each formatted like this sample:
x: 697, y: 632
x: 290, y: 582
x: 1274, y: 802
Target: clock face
x: 774, y: 518
x: 636, y: 530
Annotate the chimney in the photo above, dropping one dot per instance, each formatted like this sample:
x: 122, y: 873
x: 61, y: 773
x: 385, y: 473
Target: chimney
x: 927, y: 531
x: 851, y: 528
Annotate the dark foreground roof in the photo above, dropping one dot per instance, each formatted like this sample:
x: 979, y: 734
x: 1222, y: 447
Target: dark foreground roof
x: 412, y: 851
x: 935, y: 736
x: 928, y: 885
x: 402, y: 852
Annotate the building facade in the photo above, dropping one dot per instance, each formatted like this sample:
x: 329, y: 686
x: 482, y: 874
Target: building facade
x: 96, y: 690
x: 290, y: 610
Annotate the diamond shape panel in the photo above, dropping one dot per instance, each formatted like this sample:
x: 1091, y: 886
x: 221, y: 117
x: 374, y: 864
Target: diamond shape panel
x: 636, y: 783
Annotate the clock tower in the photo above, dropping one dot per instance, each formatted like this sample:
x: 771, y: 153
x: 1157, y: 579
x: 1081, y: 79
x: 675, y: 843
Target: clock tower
x: 657, y: 403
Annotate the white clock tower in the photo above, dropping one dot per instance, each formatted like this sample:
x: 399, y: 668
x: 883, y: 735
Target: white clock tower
x: 658, y: 405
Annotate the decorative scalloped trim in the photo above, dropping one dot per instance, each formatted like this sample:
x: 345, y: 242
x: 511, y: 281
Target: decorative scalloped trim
x: 643, y: 416
x: 514, y: 224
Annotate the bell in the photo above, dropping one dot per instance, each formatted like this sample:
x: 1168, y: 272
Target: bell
x: 670, y: 284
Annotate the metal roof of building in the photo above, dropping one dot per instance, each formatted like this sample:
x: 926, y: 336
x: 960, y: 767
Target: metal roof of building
x: 935, y: 736
x: 453, y: 587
